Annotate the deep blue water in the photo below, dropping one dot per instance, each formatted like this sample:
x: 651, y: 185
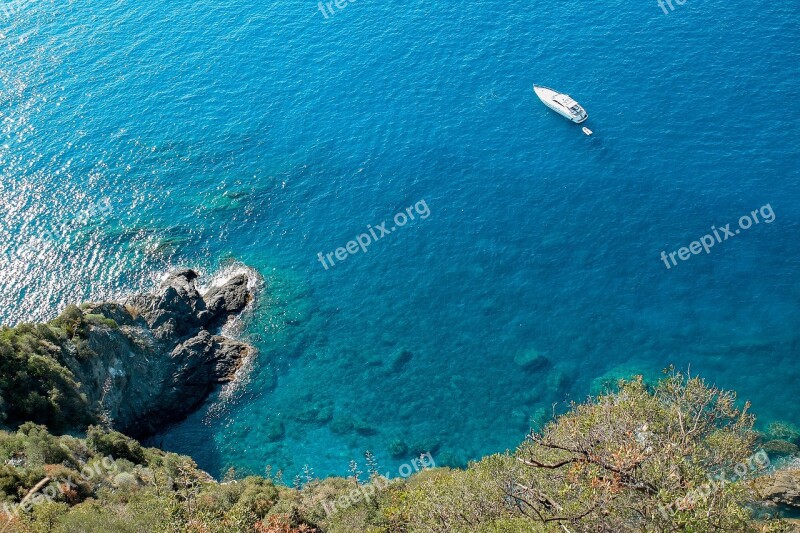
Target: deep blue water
x: 224, y: 133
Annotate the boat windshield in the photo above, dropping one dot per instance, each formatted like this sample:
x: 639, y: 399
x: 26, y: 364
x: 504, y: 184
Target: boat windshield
x: 566, y: 101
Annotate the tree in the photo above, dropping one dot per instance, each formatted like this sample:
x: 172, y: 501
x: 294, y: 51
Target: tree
x: 642, y: 459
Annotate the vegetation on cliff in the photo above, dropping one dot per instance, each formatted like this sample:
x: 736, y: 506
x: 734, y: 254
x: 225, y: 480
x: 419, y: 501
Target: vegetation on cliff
x: 676, y: 456
x: 134, y: 366
x: 35, y: 385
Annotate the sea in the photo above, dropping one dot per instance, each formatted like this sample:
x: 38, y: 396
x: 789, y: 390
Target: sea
x: 514, y: 264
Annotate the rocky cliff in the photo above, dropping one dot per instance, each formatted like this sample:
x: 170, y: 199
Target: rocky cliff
x: 135, y: 365
x: 781, y: 488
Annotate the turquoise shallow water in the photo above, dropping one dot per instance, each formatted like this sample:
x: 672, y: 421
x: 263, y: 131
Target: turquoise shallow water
x: 223, y: 133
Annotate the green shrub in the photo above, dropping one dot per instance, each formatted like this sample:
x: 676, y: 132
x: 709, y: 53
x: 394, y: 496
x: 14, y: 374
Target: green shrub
x: 114, y: 444
x: 100, y: 320
x: 629, y: 460
x: 258, y: 497
x: 34, y: 385
x: 39, y: 446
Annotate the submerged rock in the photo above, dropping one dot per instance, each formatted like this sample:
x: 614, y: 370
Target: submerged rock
x: 157, y: 356
x: 532, y: 361
x: 783, y: 431
x: 312, y: 413
x: 275, y: 430
x: 399, y: 359
x: 398, y: 449
x: 780, y: 447
x: 426, y: 446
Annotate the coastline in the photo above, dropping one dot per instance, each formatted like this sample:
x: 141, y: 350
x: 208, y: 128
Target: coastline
x: 127, y: 369
x: 136, y: 365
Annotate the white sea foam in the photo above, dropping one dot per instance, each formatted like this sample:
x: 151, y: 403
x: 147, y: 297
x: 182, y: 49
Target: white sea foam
x: 228, y: 272
x: 234, y: 327
x: 255, y: 283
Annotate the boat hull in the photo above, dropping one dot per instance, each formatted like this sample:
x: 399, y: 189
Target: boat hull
x: 547, y: 96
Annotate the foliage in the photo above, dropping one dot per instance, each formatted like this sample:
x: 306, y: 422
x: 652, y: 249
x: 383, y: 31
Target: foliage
x: 631, y: 460
x: 639, y: 460
x: 34, y: 384
x: 114, y: 444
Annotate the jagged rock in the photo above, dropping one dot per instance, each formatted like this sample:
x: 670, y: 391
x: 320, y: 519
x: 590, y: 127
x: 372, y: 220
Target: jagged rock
x: 164, y: 357
x: 781, y: 487
x: 230, y: 297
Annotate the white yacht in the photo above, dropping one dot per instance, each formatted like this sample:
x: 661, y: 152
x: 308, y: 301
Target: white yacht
x: 561, y: 103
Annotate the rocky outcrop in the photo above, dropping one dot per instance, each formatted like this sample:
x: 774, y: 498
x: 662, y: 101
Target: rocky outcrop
x: 780, y: 488
x: 156, y: 357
